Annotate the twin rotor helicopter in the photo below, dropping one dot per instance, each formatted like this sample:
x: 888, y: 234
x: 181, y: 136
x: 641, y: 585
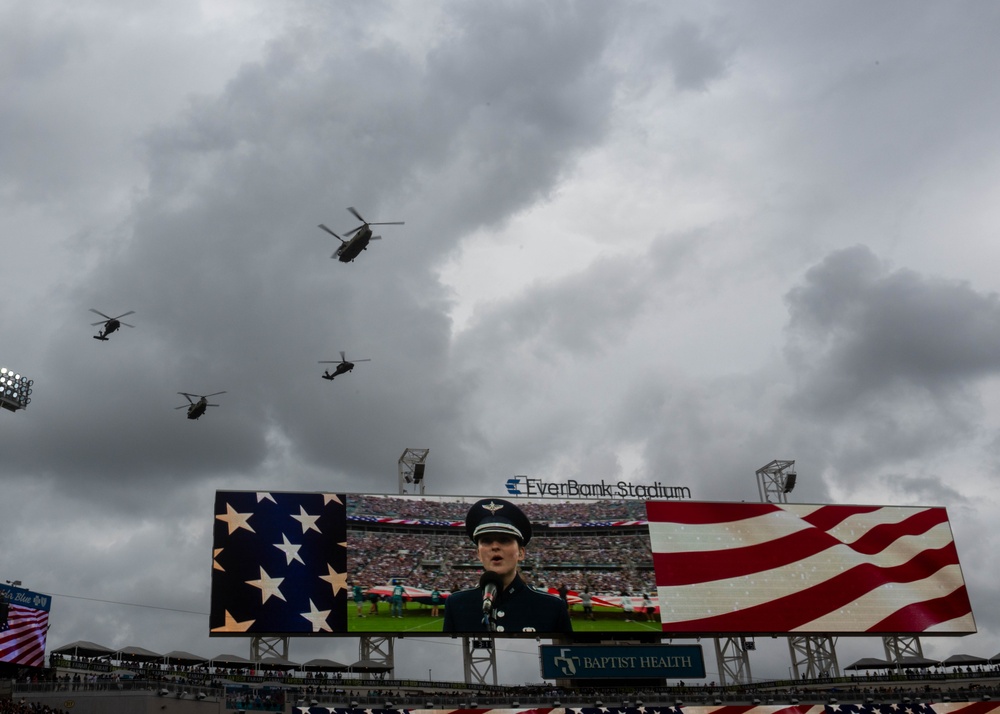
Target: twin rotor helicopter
x: 356, y: 240
x: 196, y: 408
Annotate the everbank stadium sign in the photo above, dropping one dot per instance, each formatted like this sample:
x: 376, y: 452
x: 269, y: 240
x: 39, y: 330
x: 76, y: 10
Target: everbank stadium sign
x: 529, y: 487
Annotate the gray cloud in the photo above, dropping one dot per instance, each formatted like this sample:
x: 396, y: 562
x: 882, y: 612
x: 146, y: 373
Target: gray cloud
x: 684, y: 299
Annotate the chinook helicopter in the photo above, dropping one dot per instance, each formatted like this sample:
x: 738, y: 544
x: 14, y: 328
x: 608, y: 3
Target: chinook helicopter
x: 110, y: 324
x: 196, y: 408
x: 343, y: 366
x: 351, y: 247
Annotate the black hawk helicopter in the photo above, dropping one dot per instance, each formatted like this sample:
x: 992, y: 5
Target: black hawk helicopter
x: 110, y: 324
x: 197, y: 408
x: 350, y: 247
x: 343, y: 366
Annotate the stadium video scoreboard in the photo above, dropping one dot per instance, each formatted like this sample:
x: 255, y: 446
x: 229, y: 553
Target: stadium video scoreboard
x: 24, y: 624
x: 327, y: 564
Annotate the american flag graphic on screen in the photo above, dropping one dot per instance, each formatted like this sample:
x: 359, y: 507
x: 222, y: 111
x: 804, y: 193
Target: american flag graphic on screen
x: 773, y: 568
x: 890, y: 705
x: 24, y: 624
x: 279, y: 564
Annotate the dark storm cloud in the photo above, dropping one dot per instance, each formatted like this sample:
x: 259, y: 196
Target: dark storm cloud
x: 582, y: 314
x: 862, y: 331
x: 231, y: 280
x: 715, y: 153
x: 887, y: 362
x: 694, y: 57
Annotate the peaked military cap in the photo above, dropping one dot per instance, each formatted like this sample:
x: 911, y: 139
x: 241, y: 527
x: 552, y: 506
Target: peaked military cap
x: 495, y: 515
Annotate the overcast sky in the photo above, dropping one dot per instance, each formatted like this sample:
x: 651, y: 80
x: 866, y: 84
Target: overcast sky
x: 654, y: 241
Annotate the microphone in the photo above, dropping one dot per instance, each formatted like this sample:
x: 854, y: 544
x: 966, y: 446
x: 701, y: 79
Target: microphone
x: 490, y: 582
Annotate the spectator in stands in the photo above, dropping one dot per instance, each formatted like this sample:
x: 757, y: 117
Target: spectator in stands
x: 501, y: 533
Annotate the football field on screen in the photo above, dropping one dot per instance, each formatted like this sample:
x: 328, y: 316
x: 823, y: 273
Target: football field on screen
x: 417, y: 620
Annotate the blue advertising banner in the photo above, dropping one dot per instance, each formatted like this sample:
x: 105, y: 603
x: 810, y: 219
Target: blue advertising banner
x: 622, y: 662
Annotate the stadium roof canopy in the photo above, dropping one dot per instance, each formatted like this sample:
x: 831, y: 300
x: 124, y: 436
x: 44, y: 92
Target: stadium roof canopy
x: 914, y: 661
x: 324, y: 665
x: 82, y: 648
x: 963, y: 660
x: 181, y: 657
x: 368, y: 665
x: 138, y: 654
x: 278, y: 663
x: 871, y: 663
x: 225, y: 659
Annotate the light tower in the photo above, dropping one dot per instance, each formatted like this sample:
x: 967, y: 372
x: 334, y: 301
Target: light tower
x: 776, y: 480
x: 812, y: 655
x: 411, y: 471
x: 15, y: 390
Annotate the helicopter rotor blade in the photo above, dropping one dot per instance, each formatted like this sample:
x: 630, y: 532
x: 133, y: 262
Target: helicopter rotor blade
x: 356, y: 214
x: 206, y: 396
x: 98, y: 312
x: 388, y: 223
x: 343, y: 357
x: 355, y: 230
x: 375, y: 238
x: 124, y: 314
x: 332, y: 233
x: 126, y: 324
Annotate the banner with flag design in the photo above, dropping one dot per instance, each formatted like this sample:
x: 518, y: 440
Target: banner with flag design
x: 799, y: 568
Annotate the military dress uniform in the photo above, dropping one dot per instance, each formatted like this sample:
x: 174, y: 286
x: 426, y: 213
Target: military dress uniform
x: 518, y: 608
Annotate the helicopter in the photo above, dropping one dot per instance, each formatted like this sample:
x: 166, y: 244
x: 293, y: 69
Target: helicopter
x: 343, y: 366
x: 110, y: 324
x: 197, y: 408
x: 351, y: 247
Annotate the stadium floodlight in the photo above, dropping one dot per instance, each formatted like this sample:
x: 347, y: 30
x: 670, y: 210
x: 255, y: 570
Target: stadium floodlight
x: 776, y: 480
x: 411, y: 467
x: 15, y: 390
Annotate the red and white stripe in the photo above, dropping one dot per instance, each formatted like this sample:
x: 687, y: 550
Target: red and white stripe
x: 745, y: 567
x: 23, y: 642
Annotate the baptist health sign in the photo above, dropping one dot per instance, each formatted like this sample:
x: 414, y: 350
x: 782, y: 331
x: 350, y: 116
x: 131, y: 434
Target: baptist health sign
x: 622, y: 662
